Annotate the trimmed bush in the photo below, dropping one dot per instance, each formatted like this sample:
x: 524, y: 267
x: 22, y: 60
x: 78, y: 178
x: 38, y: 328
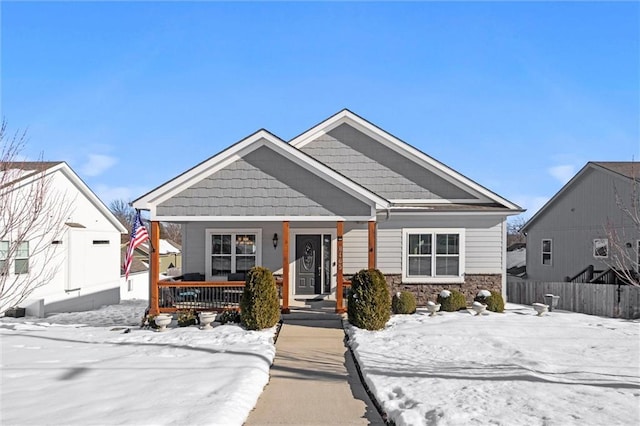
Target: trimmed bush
x: 369, y: 304
x: 494, y: 302
x: 230, y: 316
x: 259, y: 304
x: 454, y: 302
x: 403, y: 302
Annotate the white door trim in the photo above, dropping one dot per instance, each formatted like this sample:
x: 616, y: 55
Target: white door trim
x: 293, y: 232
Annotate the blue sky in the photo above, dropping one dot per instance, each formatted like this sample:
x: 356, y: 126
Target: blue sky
x: 516, y: 96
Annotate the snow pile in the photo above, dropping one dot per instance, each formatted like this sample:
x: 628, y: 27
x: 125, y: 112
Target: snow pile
x: 516, y: 258
x: 484, y: 293
x: 513, y: 369
x: 85, y: 368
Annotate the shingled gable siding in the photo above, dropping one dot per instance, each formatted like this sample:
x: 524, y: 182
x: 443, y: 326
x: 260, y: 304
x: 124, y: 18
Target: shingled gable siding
x: 379, y: 168
x: 263, y: 183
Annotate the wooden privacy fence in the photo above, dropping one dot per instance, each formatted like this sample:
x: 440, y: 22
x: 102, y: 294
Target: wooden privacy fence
x: 607, y: 300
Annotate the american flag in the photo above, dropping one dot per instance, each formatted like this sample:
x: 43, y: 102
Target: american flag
x: 138, y: 236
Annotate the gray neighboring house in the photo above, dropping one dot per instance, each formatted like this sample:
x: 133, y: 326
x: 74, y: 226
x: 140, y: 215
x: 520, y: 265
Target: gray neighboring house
x: 342, y: 196
x: 568, y: 234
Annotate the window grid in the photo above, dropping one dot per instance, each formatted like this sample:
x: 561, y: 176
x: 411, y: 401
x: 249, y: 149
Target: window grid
x: 421, y: 260
x: 21, y: 263
x: 233, y: 251
x: 547, y: 251
x: 4, y: 255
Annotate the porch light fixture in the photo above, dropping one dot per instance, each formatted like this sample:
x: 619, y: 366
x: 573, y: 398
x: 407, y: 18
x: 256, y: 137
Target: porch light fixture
x: 275, y: 240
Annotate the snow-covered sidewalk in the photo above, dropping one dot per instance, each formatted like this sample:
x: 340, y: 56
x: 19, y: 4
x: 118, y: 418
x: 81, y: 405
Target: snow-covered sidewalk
x: 511, y: 369
x: 83, y: 369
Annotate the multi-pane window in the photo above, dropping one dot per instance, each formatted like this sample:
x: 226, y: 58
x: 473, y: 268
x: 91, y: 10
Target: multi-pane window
x: 419, y: 255
x: 447, y: 254
x: 601, y: 248
x: 4, y: 257
x: 21, y: 262
x: 546, y: 252
x: 432, y: 254
x: 232, y: 252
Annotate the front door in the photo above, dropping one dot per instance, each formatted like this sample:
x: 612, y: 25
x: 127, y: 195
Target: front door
x: 308, y: 264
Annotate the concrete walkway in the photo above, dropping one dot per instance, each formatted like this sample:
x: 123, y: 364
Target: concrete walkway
x: 313, y: 377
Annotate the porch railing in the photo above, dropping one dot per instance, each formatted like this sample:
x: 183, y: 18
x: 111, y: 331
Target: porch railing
x: 202, y: 295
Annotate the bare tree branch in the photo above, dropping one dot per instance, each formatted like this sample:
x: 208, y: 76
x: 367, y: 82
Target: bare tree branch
x: 623, y: 235
x: 514, y: 230
x: 32, y: 217
x: 172, y: 231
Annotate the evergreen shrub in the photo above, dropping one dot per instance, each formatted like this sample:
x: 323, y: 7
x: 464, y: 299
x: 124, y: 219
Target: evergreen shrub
x: 259, y: 305
x: 369, y: 304
x: 403, y: 302
x: 454, y: 302
x: 494, y: 302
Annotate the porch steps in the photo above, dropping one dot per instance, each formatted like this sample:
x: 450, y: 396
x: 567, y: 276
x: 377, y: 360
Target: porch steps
x: 313, y: 378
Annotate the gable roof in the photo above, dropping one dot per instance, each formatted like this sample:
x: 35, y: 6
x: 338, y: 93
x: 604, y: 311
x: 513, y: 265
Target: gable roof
x: 33, y: 170
x: 409, y: 152
x: 622, y: 169
x: 629, y: 169
x: 261, y: 138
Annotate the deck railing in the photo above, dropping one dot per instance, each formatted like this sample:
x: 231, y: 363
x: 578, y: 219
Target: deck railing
x: 584, y: 276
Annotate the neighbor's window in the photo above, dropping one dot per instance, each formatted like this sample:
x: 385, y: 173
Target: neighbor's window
x: 22, y: 258
x: 432, y: 254
x: 4, y: 255
x: 232, y: 251
x: 546, y: 252
x: 601, y: 248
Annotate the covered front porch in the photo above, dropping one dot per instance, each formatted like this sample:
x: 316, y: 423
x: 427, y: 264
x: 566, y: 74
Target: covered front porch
x: 310, y: 266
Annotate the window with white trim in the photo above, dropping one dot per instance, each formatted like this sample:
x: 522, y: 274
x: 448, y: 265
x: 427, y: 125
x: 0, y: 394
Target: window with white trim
x: 601, y: 248
x: 432, y: 255
x: 4, y: 257
x: 547, y: 251
x: 21, y: 263
x: 232, y: 251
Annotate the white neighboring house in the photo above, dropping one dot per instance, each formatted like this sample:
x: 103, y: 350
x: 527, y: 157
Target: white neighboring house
x: 137, y: 285
x: 83, y: 268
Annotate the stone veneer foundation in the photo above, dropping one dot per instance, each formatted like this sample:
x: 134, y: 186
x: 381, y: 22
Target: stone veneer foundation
x: 425, y: 292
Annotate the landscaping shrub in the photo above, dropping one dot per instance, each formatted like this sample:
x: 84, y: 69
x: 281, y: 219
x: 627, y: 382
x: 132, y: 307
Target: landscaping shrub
x: 259, y: 304
x: 494, y: 301
x: 455, y: 301
x: 231, y: 316
x: 187, y: 317
x: 403, y: 302
x: 369, y: 304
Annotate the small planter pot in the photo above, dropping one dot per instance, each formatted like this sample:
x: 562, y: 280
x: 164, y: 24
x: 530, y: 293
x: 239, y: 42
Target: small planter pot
x: 206, y: 318
x: 551, y: 300
x: 433, y: 308
x: 162, y: 321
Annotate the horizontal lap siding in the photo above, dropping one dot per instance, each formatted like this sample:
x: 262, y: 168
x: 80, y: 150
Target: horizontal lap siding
x: 389, y: 252
x: 355, y: 245
x: 483, y: 248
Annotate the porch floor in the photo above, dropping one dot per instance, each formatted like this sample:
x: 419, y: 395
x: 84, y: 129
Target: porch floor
x: 313, y: 378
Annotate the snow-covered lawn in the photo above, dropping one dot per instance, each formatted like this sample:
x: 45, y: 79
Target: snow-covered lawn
x: 452, y: 369
x: 512, y: 369
x: 83, y: 369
